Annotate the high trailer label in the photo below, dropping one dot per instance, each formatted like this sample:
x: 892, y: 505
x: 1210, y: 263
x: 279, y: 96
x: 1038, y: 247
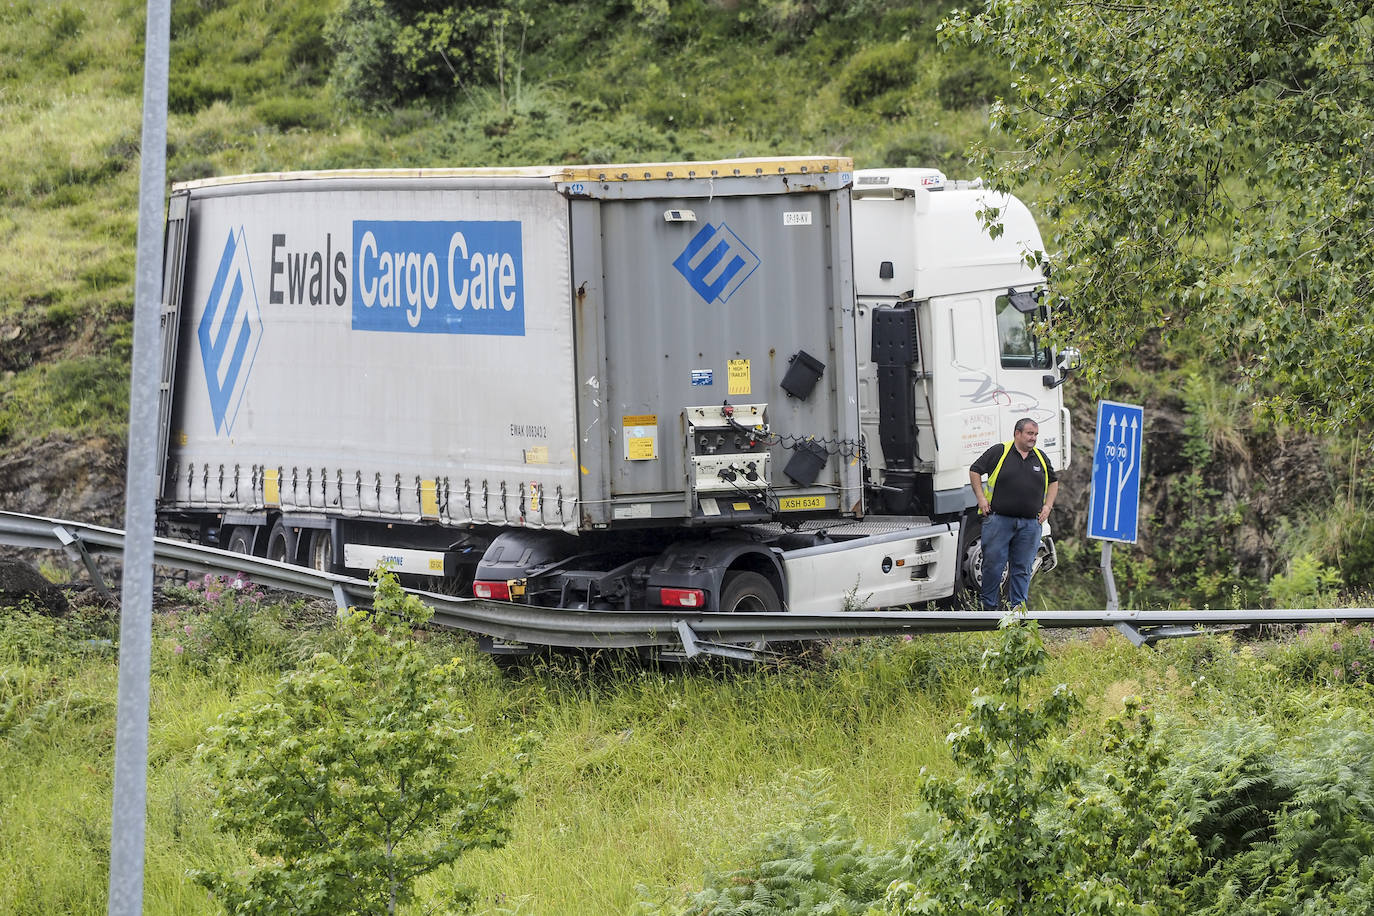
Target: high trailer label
x: 438, y: 277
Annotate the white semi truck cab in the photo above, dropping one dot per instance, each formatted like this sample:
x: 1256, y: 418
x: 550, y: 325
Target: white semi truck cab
x: 949, y: 355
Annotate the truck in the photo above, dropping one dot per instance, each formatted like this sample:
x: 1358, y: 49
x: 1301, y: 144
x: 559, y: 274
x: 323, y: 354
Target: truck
x: 748, y: 384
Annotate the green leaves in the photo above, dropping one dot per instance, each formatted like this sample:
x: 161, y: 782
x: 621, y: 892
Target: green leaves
x: 390, y: 52
x: 349, y: 779
x: 1211, y: 167
x: 1027, y: 827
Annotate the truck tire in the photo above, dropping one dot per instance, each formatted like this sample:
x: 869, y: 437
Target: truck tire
x: 240, y: 540
x: 281, y: 544
x: 321, y: 554
x: 972, y: 567
x: 748, y: 591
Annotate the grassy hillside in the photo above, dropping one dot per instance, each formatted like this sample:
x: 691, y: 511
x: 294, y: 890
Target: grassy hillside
x: 259, y: 86
x: 250, y: 91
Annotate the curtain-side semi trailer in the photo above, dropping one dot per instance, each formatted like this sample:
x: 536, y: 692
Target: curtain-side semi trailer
x: 744, y: 384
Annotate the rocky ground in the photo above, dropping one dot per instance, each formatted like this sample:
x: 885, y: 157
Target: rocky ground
x: 78, y: 479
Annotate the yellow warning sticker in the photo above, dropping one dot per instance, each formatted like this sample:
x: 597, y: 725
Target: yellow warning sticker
x: 271, y: 487
x: 641, y: 437
x: 741, y: 507
x: 738, y: 370
x: 538, y: 454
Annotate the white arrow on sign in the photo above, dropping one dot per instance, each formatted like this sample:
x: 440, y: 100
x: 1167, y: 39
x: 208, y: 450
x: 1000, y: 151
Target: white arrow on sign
x: 1111, y: 453
x: 1126, y: 451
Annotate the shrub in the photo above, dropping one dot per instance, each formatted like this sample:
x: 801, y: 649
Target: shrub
x: 1357, y: 557
x: 1307, y: 581
x: 286, y: 113
x: 1026, y: 829
x: 1025, y: 826
x: 388, y: 52
x: 971, y: 83
x: 877, y: 70
x: 224, y: 621
x: 348, y: 779
x: 1326, y: 655
x: 816, y: 864
x: 1282, y: 823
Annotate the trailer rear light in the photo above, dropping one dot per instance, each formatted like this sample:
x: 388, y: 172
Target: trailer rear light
x: 681, y: 597
x: 495, y: 591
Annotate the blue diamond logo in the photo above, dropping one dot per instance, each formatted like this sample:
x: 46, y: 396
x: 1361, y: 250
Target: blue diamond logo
x: 716, y: 262
x: 229, y: 332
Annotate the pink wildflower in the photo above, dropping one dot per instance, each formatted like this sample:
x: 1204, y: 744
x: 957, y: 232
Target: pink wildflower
x: 179, y: 648
x: 187, y: 628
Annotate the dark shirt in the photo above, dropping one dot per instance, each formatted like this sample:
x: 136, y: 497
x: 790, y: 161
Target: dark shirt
x: 1021, y: 484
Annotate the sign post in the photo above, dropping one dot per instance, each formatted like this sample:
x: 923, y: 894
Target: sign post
x: 1114, y: 510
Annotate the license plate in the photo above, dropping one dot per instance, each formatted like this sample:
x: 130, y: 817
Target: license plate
x: 800, y: 503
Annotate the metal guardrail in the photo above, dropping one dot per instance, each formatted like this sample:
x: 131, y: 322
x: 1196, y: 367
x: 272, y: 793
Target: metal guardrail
x: 720, y: 633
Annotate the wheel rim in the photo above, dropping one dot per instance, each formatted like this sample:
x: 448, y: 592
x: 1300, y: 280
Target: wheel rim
x: 276, y: 550
x: 321, y: 550
x: 240, y: 541
x: 748, y: 602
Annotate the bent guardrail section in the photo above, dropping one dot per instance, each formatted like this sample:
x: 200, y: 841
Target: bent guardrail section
x: 693, y: 633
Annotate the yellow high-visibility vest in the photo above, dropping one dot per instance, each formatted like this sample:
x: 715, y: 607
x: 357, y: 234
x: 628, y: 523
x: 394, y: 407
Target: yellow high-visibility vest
x: 1006, y: 450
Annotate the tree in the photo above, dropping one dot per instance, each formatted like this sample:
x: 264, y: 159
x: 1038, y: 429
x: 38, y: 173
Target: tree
x: 348, y: 778
x: 1208, y: 168
x: 1026, y: 828
x: 389, y: 52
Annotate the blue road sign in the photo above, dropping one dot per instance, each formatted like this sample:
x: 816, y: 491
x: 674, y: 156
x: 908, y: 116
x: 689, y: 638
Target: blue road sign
x: 1115, y: 508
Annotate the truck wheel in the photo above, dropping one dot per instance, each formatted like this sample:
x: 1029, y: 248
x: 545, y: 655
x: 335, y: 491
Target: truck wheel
x: 281, y: 544
x: 240, y: 540
x: 321, y: 556
x: 748, y: 591
x: 973, y: 566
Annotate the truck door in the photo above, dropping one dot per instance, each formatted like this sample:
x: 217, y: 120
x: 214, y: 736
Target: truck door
x: 989, y: 370
x: 1023, y: 360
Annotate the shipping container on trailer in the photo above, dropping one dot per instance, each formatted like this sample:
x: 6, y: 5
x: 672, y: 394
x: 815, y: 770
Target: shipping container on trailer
x: 565, y: 348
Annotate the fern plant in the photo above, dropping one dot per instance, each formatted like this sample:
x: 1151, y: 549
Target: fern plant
x: 1284, y: 825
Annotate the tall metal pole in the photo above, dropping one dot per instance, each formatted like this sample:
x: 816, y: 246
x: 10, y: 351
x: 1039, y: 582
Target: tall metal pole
x: 128, y: 821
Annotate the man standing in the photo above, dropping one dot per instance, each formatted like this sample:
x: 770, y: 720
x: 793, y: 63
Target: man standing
x: 1020, y: 492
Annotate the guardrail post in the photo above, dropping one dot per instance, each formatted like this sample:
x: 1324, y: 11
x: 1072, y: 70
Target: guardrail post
x: 74, y: 544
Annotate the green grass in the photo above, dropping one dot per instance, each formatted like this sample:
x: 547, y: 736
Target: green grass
x: 645, y: 780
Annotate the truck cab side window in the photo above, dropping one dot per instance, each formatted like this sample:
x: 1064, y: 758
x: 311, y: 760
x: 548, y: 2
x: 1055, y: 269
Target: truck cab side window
x: 1016, y: 341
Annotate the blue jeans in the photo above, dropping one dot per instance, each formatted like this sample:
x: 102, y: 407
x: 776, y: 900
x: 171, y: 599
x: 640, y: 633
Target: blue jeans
x: 1008, y: 540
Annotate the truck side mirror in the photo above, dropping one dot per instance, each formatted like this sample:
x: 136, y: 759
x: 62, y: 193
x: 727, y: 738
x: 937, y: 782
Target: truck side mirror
x: 1069, y: 359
